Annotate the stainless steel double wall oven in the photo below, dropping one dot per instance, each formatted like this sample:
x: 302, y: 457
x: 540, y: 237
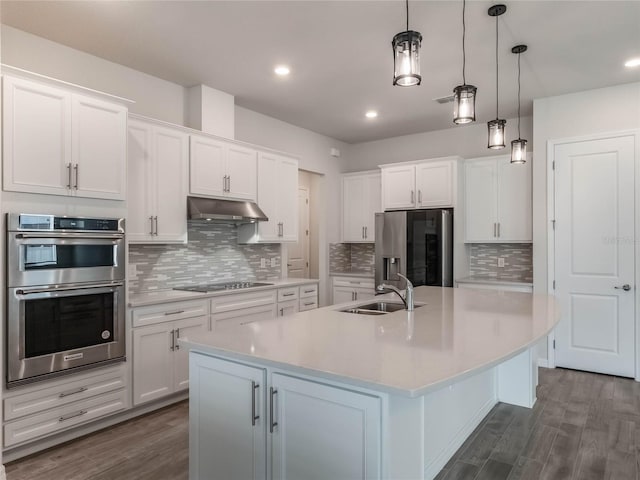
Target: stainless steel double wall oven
x: 65, y: 295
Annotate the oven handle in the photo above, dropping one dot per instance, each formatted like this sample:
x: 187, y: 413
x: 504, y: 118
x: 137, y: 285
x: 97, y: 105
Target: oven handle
x: 30, y: 291
x: 88, y: 236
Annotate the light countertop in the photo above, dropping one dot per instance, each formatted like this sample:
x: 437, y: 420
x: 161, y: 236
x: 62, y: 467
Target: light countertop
x: 494, y: 281
x: 165, y: 296
x: 458, y: 332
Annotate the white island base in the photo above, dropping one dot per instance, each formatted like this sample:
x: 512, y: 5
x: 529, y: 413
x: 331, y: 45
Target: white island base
x: 248, y: 419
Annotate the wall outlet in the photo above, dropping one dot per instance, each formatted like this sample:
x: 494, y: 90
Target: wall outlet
x: 263, y: 263
x: 274, y: 261
x: 500, y: 262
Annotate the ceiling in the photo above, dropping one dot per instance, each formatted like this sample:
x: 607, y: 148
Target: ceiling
x: 340, y: 53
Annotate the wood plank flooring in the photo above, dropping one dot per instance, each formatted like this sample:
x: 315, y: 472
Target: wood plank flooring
x: 584, y: 427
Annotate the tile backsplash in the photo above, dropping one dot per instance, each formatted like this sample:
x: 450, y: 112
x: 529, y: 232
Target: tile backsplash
x: 518, y: 261
x: 351, y: 257
x: 212, y: 254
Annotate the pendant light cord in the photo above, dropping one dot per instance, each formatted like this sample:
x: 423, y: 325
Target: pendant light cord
x: 518, y: 96
x: 407, y: 4
x: 464, y: 55
x: 497, y: 75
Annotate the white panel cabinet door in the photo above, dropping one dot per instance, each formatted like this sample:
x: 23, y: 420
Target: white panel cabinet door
x: 152, y: 362
x: 268, y: 185
x: 398, y: 187
x: 595, y: 255
x: 288, y: 308
x: 227, y: 426
x: 183, y: 329
x: 287, y: 187
x: 99, y: 148
x: 364, y: 294
x: 514, y: 201
x: 354, y: 204
x: 481, y: 205
x: 343, y: 295
x: 321, y: 432
x: 36, y: 137
x: 207, y: 168
x: 140, y: 183
x: 171, y: 156
x: 242, y: 169
x: 435, y: 185
x: 373, y: 205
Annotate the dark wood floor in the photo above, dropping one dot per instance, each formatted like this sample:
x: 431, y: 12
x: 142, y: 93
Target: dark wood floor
x: 583, y: 427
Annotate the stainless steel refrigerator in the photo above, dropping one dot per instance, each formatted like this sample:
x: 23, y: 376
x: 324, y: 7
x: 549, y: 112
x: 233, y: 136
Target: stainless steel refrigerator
x: 417, y: 244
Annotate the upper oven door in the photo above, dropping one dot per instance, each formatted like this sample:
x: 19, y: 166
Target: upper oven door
x: 39, y: 258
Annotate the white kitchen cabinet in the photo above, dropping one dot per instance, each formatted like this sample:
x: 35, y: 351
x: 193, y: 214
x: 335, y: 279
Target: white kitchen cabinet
x: 241, y: 308
x: 424, y: 184
x: 222, y: 169
x: 361, y: 199
x: 239, y: 419
x: 350, y: 289
x: 158, y: 162
x: 497, y: 201
x: 227, y: 420
x: 58, y: 142
x: 288, y: 308
x: 183, y: 329
x: 278, y: 199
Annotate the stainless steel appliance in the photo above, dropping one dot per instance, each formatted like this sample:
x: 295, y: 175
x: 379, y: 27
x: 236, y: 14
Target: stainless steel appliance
x: 65, y: 295
x: 417, y: 244
x: 217, y: 287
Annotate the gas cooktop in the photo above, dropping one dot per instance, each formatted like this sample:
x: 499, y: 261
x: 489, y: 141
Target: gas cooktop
x: 216, y: 287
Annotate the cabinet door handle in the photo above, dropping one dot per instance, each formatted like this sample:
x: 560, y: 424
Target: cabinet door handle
x: 177, y: 336
x: 366, y: 232
x: 72, y: 415
x: 412, y: 196
x: 69, y: 176
x: 73, y: 392
x: 151, y: 222
x: 282, y: 312
x: 498, y: 229
x: 228, y: 183
x: 224, y: 183
x: 254, y: 416
x: 495, y: 229
x: 272, y: 393
x: 420, y: 197
x: 173, y: 340
x: 355, y: 294
x: 76, y: 169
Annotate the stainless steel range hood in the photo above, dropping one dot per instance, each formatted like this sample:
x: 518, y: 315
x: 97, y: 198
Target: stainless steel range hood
x: 224, y: 211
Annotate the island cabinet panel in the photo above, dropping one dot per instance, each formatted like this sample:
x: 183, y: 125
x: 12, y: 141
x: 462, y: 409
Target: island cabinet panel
x: 228, y: 421
x: 322, y: 432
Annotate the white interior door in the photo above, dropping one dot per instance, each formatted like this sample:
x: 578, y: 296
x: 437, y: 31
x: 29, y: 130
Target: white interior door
x: 298, y: 253
x: 594, y: 255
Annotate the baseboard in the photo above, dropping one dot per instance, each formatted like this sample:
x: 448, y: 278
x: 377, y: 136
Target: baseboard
x: 543, y: 363
x: 456, y: 442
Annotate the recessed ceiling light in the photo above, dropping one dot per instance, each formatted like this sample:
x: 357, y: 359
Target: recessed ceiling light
x: 371, y: 114
x: 282, y: 70
x: 634, y: 62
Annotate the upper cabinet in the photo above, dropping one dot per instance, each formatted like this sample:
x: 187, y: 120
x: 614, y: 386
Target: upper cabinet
x: 156, y: 201
x: 59, y: 142
x: 497, y: 201
x: 278, y: 199
x: 361, y: 199
x: 428, y: 184
x: 222, y: 169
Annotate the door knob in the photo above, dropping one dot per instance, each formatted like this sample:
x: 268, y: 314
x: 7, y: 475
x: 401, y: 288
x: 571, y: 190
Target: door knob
x: 626, y: 287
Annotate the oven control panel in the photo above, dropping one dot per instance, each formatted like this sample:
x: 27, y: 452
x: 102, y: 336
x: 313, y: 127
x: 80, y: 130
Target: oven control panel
x: 32, y: 222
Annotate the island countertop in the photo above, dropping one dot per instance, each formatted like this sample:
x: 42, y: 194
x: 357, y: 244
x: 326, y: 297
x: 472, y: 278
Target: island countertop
x: 455, y: 334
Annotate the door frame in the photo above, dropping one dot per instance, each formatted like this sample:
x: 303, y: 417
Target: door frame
x: 308, y: 237
x: 551, y: 264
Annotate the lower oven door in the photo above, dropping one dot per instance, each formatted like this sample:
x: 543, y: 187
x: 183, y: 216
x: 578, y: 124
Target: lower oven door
x: 53, y: 330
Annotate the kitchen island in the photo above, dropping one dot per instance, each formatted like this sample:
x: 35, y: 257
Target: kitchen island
x: 328, y: 394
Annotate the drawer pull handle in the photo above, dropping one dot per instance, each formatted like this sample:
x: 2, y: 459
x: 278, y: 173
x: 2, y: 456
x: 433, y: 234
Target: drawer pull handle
x: 309, y: 291
x: 73, y: 392
x: 174, y: 313
x: 72, y: 415
x: 354, y: 283
x: 288, y: 294
x: 309, y: 304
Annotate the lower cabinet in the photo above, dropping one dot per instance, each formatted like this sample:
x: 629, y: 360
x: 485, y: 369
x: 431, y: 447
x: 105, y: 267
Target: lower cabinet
x: 160, y: 367
x: 245, y: 418
x: 350, y: 289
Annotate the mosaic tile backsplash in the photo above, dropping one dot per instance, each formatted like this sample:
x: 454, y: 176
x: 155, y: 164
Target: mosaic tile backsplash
x: 351, y: 257
x: 212, y: 254
x: 518, y: 261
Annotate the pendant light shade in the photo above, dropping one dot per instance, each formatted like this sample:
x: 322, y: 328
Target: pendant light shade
x: 496, y: 127
x: 464, y: 96
x: 406, y: 56
x: 519, y: 146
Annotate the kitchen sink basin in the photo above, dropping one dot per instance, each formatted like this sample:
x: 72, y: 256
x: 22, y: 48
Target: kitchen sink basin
x: 376, y: 308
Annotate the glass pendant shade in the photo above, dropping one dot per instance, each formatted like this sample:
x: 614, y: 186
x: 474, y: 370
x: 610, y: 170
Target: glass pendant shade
x: 518, y: 151
x: 464, y: 101
x: 496, y: 133
x: 406, y: 58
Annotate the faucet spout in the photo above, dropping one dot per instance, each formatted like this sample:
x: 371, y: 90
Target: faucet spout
x: 407, y: 298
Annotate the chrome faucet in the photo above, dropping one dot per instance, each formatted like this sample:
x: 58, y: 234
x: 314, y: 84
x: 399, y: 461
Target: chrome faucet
x: 407, y: 299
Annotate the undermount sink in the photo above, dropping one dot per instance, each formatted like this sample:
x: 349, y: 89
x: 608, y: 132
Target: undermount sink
x: 376, y: 308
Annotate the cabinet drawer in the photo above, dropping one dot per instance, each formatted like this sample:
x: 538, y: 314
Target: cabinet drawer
x: 354, y: 282
x: 241, y: 317
x: 57, y: 396
x: 229, y: 303
x: 309, y: 303
x: 309, y: 290
x: 286, y: 294
x: 168, y: 311
x: 62, y: 418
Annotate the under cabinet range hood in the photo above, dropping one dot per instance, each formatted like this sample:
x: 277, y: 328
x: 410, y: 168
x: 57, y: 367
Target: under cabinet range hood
x: 224, y: 211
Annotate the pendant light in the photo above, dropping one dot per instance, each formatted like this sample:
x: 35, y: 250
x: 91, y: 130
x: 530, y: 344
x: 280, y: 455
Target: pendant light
x: 406, y: 56
x: 464, y: 96
x: 496, y: 127
x: 519, y: 146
